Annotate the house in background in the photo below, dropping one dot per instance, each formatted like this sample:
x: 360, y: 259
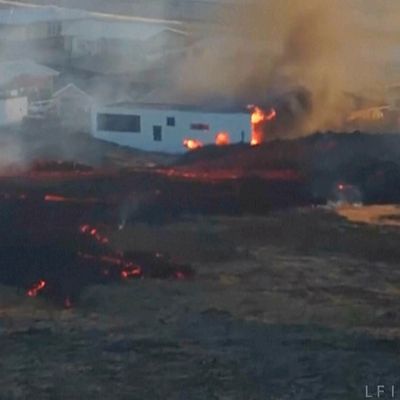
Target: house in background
x: 13, y: 110
x: 73, y: 107
x: 167, y: 127
x: 35, y: 32
x: 122, y: 48
x: 23, y: 85
x: 26, y: 78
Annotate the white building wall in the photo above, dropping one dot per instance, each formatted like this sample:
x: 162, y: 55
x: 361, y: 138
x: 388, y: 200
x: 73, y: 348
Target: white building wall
x: 236, y: 124
x: 13, y: 33
x: 13, y: 110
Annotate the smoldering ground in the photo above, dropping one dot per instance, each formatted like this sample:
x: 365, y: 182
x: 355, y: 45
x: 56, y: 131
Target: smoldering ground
x: 323, y: 50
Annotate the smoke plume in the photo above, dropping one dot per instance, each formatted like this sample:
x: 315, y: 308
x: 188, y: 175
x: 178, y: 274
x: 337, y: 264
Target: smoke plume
x: 307, y: 56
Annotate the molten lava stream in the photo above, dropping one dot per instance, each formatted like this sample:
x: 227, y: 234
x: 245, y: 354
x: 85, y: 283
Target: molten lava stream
x: 36, y: 288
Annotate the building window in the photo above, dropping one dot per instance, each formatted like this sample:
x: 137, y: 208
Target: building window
x: 54, y: 28
x: 118, y: 123
x: 200, y: 127
x: 157, y: 133
x: 170, y: 121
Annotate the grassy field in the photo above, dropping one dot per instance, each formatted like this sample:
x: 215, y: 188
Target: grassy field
x: 300, y: 304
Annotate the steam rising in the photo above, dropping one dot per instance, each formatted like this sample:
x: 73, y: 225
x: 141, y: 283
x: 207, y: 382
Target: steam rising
x: 306, y: 55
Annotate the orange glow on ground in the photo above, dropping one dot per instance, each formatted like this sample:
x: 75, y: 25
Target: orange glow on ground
x: 87, y: 229
x: 36, y: 288
x: 54, y: 198
x: 192, y: 144
x: 222, y: 139
x: 131, y: 272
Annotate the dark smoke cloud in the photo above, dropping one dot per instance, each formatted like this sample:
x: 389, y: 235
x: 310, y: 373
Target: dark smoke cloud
x: 303, y: 57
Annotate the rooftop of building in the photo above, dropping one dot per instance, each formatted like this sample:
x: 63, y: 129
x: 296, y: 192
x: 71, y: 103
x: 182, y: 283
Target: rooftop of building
x: 10, y: 70
x: 212, y: 108
x: 36, y: 14
x: 105, y: 29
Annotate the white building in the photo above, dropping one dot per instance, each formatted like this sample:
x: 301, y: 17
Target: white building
x: 73, y: 107
x: 13, y: 110
x: 21, y: 83
x: 167, y: 128
x: 26, y: 78
x: 35, y: 32
x: 22, y: 24
x: 128, y: 47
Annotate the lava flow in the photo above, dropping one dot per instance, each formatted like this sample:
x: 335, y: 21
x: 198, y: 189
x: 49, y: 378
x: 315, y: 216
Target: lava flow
x: 60, y: 269
x: 36, y: 288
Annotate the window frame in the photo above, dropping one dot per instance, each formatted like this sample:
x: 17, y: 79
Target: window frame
x: 104, y: 125
x: 157, y: 133
x: 171, y: 121
x: 200, y: 126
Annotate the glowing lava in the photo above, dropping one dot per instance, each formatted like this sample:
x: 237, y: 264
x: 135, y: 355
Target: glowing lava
x: 222, y: 139
x: 258, y: 118
x: 192, y: 144
x: 131, y: 271
x: 89, y: 230
x: 36, y: 288
x: 54, y: 198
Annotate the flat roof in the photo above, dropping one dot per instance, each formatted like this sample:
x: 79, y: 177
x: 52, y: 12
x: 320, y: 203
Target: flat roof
x: 209, y: 108
x: 9, y: 70
x: 31, y: 15
x: 98, y: 29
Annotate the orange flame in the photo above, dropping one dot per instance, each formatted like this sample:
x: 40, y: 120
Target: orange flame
x: 131, y: 271
x: 87, y: 229
x: 259, y: 117
x: 192, y: 144
x: 222, y: 139
x: 36, y: 288
x: 54, y: 198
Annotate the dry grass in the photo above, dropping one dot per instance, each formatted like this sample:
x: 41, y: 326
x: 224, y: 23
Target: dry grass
x: 248, y: 326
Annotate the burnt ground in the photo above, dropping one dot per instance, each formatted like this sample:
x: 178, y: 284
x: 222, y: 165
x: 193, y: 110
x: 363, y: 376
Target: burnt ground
x: 298, y: 303
x: 295, y: 304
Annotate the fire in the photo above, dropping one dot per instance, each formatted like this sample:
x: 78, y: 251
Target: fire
x: 54, y: 198
x: 36, y: 288
x: 87, y: 229
x: 222, y: 139
x: 192, y: 144
x: 258, y: 118
x: 368, y: 114
x: 131, y: 271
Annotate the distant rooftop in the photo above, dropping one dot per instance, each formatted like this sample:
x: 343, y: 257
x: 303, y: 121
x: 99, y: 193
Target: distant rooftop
x: 209, y: 108
x: 98, y: 29
x: 31, y: 15
x: 11, y: 70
